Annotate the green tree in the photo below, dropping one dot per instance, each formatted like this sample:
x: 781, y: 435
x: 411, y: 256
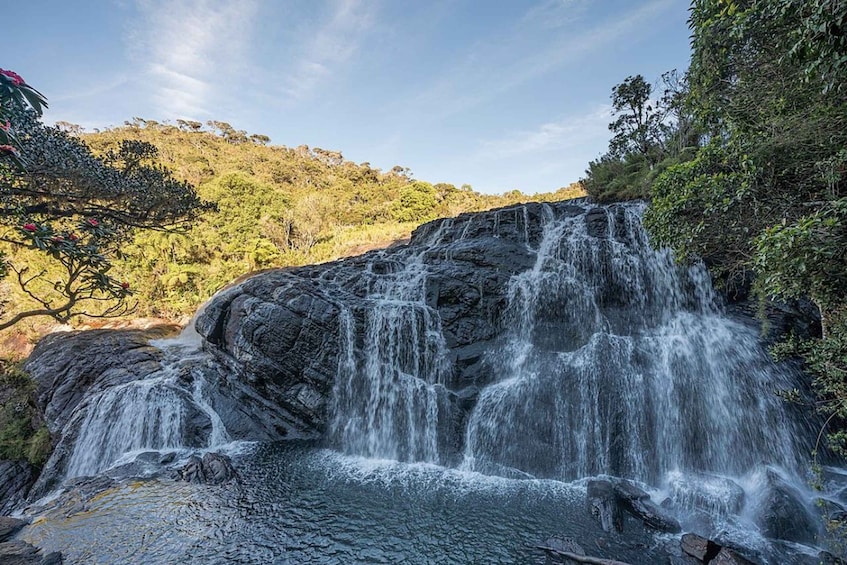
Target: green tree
x: 418, y: 201
x: 649, y: 136
x: 71, y: 211
x: 637, y: 127
x: 768, y: 195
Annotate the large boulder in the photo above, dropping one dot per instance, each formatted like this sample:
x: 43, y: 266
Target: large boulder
x: 637, y: 502
x: 782, y: 514
x: 281, y: 331
x: 604, y: 505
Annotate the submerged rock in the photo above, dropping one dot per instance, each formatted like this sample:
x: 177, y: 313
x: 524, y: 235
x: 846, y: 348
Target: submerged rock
x: 713, y: 494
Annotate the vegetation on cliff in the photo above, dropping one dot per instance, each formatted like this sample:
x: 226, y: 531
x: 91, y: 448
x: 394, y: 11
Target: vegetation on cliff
x: 23, y: 433
x: 757, y: 184
x: 220, y: 202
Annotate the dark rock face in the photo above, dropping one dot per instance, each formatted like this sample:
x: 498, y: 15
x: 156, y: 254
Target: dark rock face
x: 212, y: 469
x: 8, y: 527
x: 17, y: 552
x: 783, y: 516
x: 70, y: 367
x: 637, y: 502
x: 708, y: 552
x: 16, y: 478
x: 698, y: 547
x: 280, y: 330
x: 604, y: 506
x: 609, y: 498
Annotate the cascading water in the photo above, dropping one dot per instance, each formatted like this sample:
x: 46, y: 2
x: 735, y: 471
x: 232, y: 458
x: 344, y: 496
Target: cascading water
x: 613, y: 360
x: 540, y: 342
x: 619, y: 362
x: 167, y: 410
x: 390, y: 381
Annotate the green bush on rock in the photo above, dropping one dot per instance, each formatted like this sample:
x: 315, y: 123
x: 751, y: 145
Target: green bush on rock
x: 23, y: 434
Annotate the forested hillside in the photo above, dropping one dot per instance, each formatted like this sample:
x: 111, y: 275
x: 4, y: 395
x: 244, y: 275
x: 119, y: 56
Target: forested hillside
x: 744, y: 159
x: 267, y: 206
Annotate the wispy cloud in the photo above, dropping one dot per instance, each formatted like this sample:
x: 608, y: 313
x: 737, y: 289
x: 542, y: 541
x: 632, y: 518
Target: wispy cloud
x: 551, y: 14
x: 493, y: 69
x: 593, y: 40
x: 90, y: 90
x: 187, y: 47
x: 552, y: 136
x: 331, y: 45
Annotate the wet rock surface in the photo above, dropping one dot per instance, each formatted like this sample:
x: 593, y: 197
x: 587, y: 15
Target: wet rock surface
x: 17, y: 552
x: 16, y: 478
x: 782, y: 514
x: 211, y: 469
x: 700, y: 550
x: 71, y: 366
x: 637, y: 502
x: 9, y: 526
x: 280, y: 330
x: 604, y: 506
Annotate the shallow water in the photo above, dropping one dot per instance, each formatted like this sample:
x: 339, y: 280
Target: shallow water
x: 300, y: 504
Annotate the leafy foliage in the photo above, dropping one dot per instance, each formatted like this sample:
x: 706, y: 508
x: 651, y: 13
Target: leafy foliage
x: 273, y: 206
x: 23, y: 434
x: 75, y: 211
x: 15, y: 95
x: 61, y: 204
x: 767, y: 193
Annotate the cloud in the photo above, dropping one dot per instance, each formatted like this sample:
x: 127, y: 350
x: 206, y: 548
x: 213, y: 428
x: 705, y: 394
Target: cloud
x: 330, y: 46
x: 91, y: 90
x: 492, y: 69
x: 610, y: 32
x: 186, y: 49
x: 552, y: 14
x: 550, y: 137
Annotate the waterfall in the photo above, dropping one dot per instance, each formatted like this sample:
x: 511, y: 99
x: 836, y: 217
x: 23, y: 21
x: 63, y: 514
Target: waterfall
x: 167, y: 410
x: 619, y: 362
x: 613, y: 359
x: 388, y: 387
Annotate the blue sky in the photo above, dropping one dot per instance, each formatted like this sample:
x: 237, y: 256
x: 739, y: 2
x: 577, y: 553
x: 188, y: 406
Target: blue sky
x: 498, y: 94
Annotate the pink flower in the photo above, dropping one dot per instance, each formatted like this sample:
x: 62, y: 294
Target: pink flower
x: 93, y: 222
x: 6, y: 126
x: 8, y: 150
x: 125, y: 285
x: 16, y: 78
x: 73, y: 237
x: 30, y: 227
